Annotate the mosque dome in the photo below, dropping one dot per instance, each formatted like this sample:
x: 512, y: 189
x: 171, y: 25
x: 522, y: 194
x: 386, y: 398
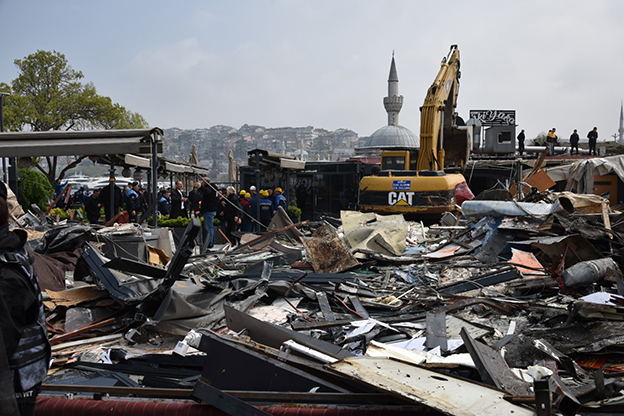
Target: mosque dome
x: 393, y: 136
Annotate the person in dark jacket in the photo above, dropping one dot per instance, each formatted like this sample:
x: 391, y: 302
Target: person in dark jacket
x: 521, y: 138
x: 194, y: 198
x: 248, y: 215
x: 179, y: 201
x: 253, y: 201
x: 133, y: 202
x: 593, y: 139
x: 209, y: 205
x: 231, y: 214
x: 574, y: 141
x: 93, y: 207
x: 22, y: 322
x: 266, y: 209
x: 105, y: 200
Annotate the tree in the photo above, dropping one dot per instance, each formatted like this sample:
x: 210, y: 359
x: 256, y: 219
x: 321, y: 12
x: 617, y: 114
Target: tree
x: 34, y: 188
x: 48, y: 95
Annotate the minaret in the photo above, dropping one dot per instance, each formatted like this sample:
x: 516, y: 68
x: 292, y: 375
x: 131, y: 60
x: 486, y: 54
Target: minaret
x: 621, y: 129
x: 393, y: 102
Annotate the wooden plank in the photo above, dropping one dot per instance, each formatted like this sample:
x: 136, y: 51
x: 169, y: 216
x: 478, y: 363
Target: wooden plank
x: 447, y: 394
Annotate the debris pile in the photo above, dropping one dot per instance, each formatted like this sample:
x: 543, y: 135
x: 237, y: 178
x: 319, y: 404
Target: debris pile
x: 504, y: 308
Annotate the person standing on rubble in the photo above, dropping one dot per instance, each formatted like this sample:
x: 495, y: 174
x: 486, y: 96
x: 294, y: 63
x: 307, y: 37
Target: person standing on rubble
x: 551, y: 138
x: 593, y: 139
x: 574, y: 141
x: 521, y: 138
x: 209, y: 204
x: 22, y: 323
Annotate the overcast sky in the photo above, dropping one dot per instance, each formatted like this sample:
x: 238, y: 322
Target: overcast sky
x: 193, y: 64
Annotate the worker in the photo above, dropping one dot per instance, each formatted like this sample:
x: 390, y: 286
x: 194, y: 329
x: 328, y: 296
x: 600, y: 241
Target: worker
x: 266, y: 208
x: 164, y: 206
x: 280, y: 199
x: 247, y: 216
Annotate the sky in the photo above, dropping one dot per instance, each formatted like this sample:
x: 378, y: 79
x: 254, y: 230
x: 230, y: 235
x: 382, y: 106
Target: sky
x: 325, y: 63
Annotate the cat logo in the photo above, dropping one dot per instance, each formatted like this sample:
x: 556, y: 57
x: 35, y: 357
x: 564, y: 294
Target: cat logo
x: 400, y: 198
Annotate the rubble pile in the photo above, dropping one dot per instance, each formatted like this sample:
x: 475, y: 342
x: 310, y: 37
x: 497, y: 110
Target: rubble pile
x: 504, y: 308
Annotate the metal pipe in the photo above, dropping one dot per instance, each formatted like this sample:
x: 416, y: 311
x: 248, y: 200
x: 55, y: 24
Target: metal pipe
x: 302, y: 349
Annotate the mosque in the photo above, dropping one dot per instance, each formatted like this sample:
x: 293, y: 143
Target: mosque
x: 393, y: 135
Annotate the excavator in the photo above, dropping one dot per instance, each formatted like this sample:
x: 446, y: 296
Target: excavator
x: 413, y: 181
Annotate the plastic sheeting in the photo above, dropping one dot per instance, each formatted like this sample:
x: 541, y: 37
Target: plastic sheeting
x: 497, y: 209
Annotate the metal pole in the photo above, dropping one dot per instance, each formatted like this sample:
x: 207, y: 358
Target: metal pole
x: 111, y: 184
x: 257, y: 155
x: 154, y: 140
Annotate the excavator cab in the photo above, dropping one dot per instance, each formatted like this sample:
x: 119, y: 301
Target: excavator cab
x: 397, y: 160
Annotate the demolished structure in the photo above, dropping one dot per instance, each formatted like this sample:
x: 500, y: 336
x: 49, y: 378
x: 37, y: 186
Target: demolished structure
x: 506, y: 307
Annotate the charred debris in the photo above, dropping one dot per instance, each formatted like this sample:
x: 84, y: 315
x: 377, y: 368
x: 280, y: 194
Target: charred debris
x: 503, y: 307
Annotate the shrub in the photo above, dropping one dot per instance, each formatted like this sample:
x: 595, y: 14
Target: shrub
x: 293, y: 212
x: 63, y: 215
x: 34, y: 188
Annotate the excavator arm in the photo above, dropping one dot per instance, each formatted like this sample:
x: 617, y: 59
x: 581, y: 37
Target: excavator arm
x: 438, y: 119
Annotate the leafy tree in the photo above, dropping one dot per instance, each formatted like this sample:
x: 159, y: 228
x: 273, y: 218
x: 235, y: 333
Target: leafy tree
x: 34, y: 188
x: 48, y: 95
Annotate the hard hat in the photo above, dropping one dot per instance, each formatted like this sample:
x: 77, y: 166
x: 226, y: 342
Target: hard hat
x: 278, y: 189
x: 247, y: 195
x: 253, y: 188
x: 243, y: 192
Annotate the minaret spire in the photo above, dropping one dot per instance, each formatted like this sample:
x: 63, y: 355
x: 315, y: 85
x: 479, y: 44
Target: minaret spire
x: 621, y: 129
x: 393, y: 102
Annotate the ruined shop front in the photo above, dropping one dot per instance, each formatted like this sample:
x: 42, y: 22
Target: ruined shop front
x: 319, y: 189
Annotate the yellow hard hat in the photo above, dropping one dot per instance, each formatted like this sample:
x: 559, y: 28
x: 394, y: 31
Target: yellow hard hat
x: 243, y: 192
x: 247, y: 195
x: 278, y: 189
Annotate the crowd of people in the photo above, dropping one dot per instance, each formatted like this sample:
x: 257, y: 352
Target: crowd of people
x: 244, y: 210
x: 552, y: 140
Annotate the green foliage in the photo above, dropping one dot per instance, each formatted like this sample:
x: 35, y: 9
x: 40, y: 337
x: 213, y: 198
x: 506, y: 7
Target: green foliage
x: 48, y: 95
x: 34, y: 188
x: 293, y: 212
x: 63, y: 215
x: 165, y: 221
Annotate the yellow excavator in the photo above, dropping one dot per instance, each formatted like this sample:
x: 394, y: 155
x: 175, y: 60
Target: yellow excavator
x: 413, y: 180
